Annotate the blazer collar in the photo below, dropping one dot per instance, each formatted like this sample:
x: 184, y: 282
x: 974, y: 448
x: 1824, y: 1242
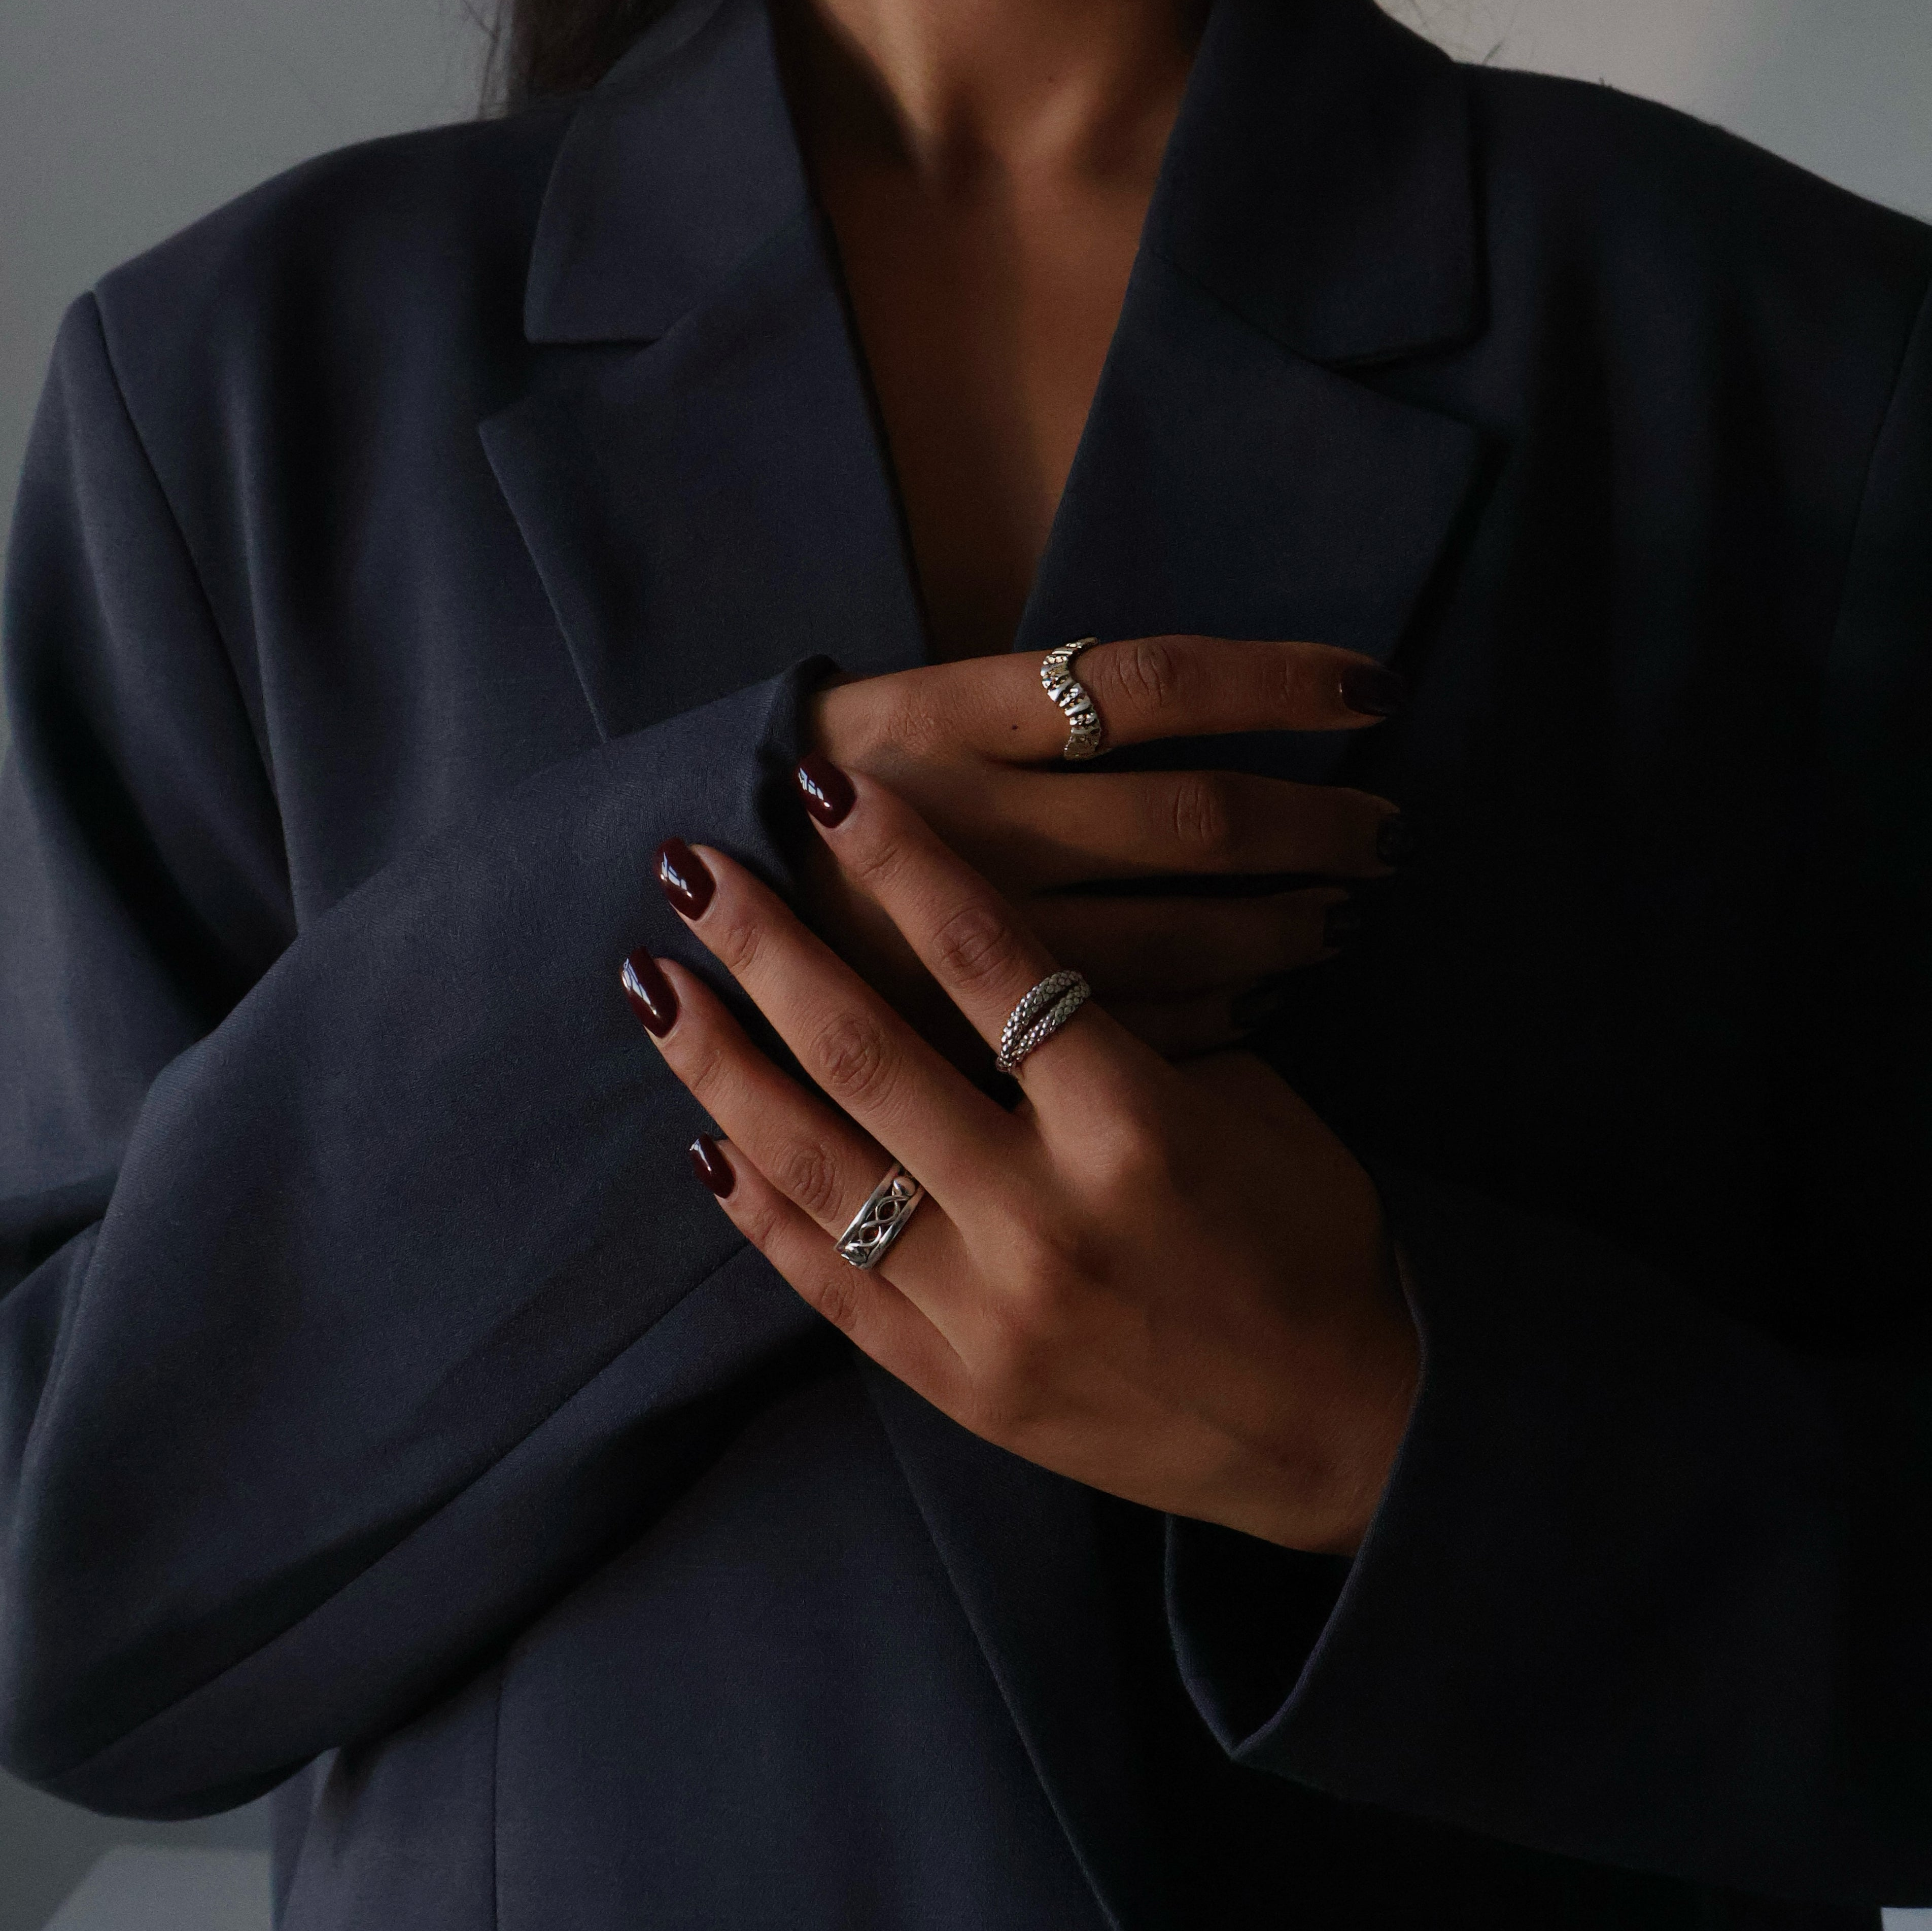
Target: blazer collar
x: 1318, y: 181
x: 679, y: 165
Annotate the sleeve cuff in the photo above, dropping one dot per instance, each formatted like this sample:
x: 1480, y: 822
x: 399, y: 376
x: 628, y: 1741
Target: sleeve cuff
x: 1607, y: 1530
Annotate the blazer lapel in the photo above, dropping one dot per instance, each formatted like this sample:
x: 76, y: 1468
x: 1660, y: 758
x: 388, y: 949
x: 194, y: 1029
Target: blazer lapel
x: 713, y: 506
x: 1225, y: 486
x: 1237, y: 476
x: 699, y: 476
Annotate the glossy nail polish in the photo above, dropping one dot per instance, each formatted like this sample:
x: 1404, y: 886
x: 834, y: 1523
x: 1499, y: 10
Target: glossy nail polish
x: 682, y: 878
x: 711, y: 1167
x: 1373, y: 690
x: 826, y: 790
x: 650, y: 992
x: 1343, y: 922
x: 1396, y: 840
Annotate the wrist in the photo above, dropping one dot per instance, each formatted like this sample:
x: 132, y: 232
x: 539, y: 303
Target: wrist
x: 1361, y: 1408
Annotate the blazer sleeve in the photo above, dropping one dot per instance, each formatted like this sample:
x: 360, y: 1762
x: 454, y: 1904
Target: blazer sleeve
x: 1650, y: 1584
x: 355, y: 1300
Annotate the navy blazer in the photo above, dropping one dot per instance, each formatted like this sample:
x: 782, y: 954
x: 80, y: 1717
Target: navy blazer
x: 404, y: 550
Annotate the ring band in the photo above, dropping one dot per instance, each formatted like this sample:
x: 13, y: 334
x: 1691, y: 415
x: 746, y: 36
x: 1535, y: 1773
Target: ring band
x: 1085, y: 734
x: 882, y: 1218
x: 1040, y: 1015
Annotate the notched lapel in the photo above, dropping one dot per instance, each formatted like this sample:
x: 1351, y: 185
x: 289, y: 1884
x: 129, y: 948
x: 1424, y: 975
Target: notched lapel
x: 1021, y: 1547
x: 695, y: 465
x: 709, y: 510
x: 1226, y: 486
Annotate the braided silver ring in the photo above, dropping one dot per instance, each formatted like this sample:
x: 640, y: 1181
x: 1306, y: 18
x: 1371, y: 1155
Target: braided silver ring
x: 1085, y: 733
x: 882, y: 1218
x: 1040, y: 1015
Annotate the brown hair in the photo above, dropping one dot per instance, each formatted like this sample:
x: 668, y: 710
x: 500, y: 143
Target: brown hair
x: 540, y: 49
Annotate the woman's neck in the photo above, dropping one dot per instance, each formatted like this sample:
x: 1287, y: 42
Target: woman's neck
x: 955, y: 89
x: 986, y: 166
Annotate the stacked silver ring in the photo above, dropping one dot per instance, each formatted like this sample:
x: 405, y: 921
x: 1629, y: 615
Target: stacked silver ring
x: 1085, y: 734
x: 868, y: 1239
x: 1040, y: 1015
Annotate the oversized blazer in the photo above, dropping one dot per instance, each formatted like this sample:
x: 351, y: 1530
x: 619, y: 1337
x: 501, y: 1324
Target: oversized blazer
x: 404, y: 550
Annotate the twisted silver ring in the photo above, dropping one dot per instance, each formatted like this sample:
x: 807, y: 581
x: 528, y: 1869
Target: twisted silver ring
x: 1085, y: 733
x: 882, y: 1218
x: 1040, y: 1015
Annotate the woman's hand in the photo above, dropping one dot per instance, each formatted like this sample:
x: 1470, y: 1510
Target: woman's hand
x: 1168, y: 1284
x: 974, y: 748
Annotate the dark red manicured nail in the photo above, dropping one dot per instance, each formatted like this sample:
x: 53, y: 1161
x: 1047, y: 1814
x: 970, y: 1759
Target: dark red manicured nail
x: 650, y: 992
x: 682, y: 878
x: 711, y: 1166
x: 1343, y: 922
x: 826, y: 790
x: 1373, y: 691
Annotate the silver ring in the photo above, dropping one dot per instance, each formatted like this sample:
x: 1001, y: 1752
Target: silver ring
x: 1040, y: 1015
x: 882, y: 1218
x: 1085, y: 733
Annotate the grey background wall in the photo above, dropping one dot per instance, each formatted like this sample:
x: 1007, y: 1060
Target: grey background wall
x: 121, y: 121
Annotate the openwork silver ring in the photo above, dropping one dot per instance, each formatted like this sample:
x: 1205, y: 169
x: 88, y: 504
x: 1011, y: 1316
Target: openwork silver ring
x: 1086, y: 736
x: 1040, y: 1015
x: 882, y: 1218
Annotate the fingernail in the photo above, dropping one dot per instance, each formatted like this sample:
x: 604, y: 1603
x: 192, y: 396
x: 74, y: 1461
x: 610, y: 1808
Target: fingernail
x: 711, y: 1167
x: 1396, y: 842
x: 683, y: 879
x: 826, y: 790
x: 1259, y: 1004
x: 1343, y: 922
x: 650, y: 992
x: 1373, y: 690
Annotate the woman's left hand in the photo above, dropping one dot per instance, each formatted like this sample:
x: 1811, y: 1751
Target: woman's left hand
x: 1169, y: 1283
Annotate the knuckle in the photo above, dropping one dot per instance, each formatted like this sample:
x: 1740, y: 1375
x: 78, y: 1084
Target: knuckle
x: 735, y: 943
x: 877, y: 862
x: 1128, y: 1160
x: 1304, y: 691
x: 975, y: 944
x: 1147, y: 671
x: 1201, y: 814
x: 849, y: 1058
x: 704, y: 1067
x: 809, y: 1176
x: 838, y: 1296
x: 917, y: 725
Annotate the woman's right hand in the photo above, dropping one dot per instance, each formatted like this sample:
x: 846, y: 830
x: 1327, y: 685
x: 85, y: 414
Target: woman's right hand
x: 975, y: 747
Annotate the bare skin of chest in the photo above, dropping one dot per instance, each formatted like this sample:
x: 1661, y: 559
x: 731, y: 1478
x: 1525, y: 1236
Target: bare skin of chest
x: 986, y: 276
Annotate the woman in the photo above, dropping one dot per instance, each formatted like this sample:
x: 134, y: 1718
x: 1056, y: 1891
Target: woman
x: 1460, y: 1461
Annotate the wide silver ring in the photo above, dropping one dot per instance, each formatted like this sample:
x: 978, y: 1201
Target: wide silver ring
x: 1086, y: 736
x: 1040, y: 1015
x: 882, y: 1218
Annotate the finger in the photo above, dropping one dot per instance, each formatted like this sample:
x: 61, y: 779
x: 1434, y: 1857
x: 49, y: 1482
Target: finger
x: 1155, y: 687
x: 867, y: 1060
x: 1145, y: 824
x: 1182, y: 1028
x: 815, y: 1156
x: 1166, y: 948
x: 972, y: 941
x: 862, y: 1303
